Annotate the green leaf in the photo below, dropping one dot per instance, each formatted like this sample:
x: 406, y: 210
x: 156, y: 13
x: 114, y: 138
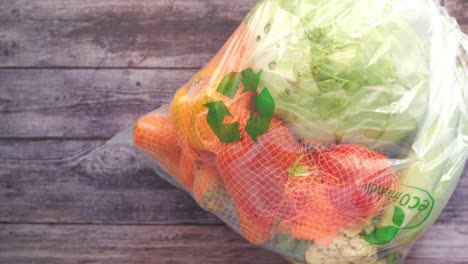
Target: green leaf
x: 350, y: 77
x: 250, y: 80
x: 230, y: 84
x: 259, y: 124
x: 398, y: 216
x: 298, y: 171
x: 382, y: 235
x: 227, y: 133
x: 301, y: 171
x: 295, y: 164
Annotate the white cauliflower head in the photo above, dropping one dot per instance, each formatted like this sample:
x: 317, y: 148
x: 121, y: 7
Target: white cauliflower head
x: 347, y: 248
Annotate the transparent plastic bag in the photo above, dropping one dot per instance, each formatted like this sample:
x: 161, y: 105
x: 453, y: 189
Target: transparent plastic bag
x: 329, y: 131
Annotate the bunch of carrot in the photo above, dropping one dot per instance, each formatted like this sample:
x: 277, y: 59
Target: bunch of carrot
x: 180, y: 139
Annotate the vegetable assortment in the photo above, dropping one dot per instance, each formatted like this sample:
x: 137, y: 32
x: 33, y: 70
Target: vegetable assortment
x: 326, y: 130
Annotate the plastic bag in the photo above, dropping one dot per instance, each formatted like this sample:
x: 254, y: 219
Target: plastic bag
x: 329, y: 131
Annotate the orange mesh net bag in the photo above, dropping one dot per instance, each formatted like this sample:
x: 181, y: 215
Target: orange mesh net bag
x: 310, y: 131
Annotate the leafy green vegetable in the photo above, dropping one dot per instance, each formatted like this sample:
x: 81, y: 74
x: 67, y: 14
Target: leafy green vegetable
x: 344, y: 71
x: 299, y: 171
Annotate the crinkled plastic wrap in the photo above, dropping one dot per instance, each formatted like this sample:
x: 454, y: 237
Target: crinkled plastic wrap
x: 329, y: 131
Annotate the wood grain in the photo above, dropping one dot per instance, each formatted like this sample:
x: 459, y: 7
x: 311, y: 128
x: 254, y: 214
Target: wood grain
x: 81, y: 103
x: 459, y: 9
x: 67, y: 244
x: 74, y: 73
x: 115, y: 33
x: 73, y: 181
x: 123, y: 33
x: 67, y: 182
x: 441, y: 244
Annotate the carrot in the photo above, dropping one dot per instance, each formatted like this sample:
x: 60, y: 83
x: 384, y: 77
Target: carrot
x: 255, y: 232
x: 208, y: 189
x: 156, y: 135
x: 155, y: 132
x: 186, y: 168
x: 315, y: 217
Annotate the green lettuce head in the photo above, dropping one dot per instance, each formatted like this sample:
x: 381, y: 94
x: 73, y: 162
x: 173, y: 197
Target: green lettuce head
x: 343, y: 71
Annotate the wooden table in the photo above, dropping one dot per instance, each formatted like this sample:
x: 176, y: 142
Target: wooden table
x: 74, y: 73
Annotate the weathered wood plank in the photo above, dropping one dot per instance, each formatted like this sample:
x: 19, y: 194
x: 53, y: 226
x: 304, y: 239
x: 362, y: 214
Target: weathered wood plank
x: 459, y: 9
x: 441, y: 244
x: 81, y: 103
x: 66, y: 244
x: 115, y: 33
x: 123, y: 33
x: 56, y: 181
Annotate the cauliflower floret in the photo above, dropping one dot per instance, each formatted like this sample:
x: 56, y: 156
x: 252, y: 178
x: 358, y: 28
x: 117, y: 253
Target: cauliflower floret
x: 346, y: 248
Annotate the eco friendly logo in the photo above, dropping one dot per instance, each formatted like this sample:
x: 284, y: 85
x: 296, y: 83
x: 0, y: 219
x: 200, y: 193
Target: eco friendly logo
x: 411, y: 208
x: 258, y: 123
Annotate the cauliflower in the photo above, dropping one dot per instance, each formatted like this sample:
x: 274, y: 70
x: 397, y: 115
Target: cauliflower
x: 346, y: 248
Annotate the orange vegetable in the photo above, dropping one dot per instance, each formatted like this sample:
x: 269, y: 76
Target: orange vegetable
x: 155, y: 135
x: 208, y: 189
x: 255, y: 174
x: 188, y: 112
x: 314, y: 217
x: 354, y: 166
x: 186, y: 168
x: 155, y: 132
x: 254, y: 231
